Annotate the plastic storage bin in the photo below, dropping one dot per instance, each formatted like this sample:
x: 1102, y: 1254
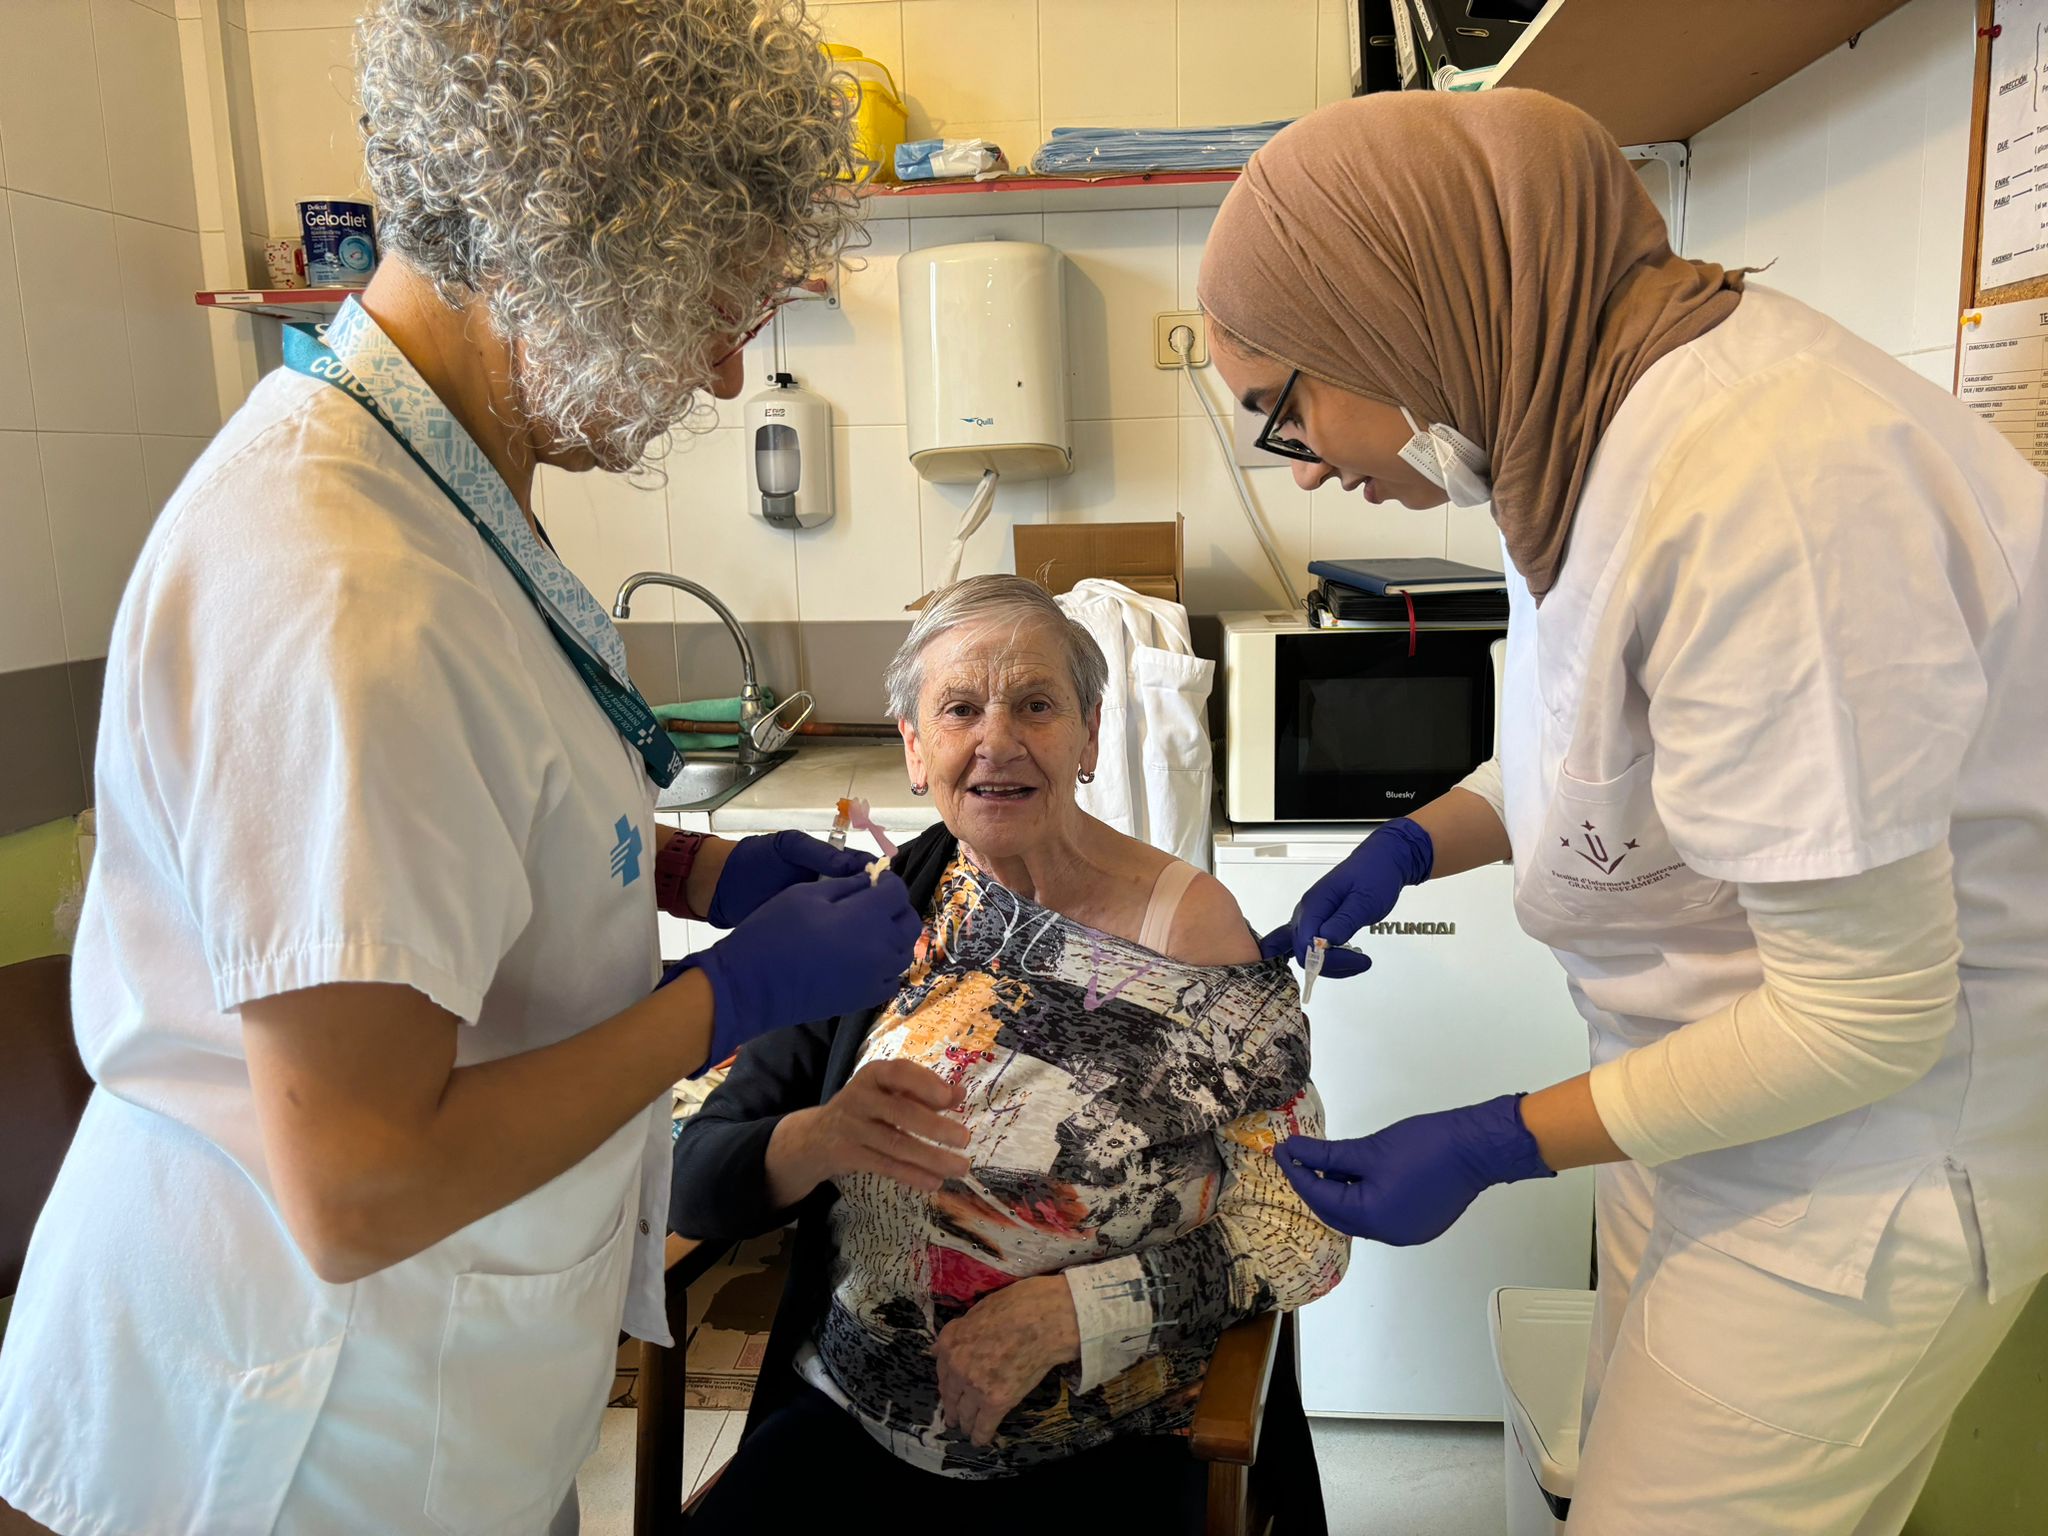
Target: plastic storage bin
x: 1540, y: 1339
x: 879, y: 119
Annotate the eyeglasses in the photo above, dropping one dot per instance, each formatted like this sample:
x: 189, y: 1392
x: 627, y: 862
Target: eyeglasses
x: 1270, y: 438
x: 754, y: 328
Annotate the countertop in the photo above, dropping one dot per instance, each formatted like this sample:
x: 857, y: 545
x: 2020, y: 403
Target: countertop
x: 805, y: 792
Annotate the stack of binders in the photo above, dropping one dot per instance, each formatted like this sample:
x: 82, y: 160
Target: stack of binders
x: 1374, y: 593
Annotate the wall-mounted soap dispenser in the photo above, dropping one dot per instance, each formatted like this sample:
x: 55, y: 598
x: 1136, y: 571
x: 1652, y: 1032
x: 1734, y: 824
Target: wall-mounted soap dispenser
x: 789, y: 455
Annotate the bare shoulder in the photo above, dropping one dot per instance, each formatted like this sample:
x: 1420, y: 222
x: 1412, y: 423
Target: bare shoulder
x: 1209, y: 929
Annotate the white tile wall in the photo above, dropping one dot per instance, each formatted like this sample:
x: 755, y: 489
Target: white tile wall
x: 971, y: 67
x: 867, y: 562
x: 1124, y: 471
x: 31, y: 622
x: 1225, y: 568
x: 1239, y: 67
x: 17, y: 406
x: 853, y: 355
x: 752, y: 566
x: 876, y: 30
x: 168, y: 345
x: 289, y: 15
x: 1088, y: 68
x: 1348, y: 527
x: 98, y: 501
x: 50, y: 101
x: 70, y: 273
x: 606, y: 527
x: 1009, y: 70
x: 149, y: 155
x: 304, y: 86
x: 100, y: 341
x: 1850, y: 177
x: 1120, y: 267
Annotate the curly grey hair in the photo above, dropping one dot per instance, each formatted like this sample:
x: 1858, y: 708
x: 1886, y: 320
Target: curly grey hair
x: 983, y: 600
x: 623, y: 182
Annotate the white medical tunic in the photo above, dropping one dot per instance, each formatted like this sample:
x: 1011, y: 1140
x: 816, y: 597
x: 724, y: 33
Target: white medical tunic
x: 338, y: 745
x: 1802, y: 632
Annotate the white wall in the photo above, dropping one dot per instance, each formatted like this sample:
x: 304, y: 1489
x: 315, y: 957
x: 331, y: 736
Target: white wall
x: 1006, y: 69
x: 106, y: 373
x: 1850, y: 177
x: 1002, y: 69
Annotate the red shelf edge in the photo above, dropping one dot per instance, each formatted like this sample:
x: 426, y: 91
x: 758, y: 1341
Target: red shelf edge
x: 242, y: 298
x: 1048, y: 183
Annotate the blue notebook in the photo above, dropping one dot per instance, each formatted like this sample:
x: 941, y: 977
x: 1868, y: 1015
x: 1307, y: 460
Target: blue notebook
x: 1419, y: 575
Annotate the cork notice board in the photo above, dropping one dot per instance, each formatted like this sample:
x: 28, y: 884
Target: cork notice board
x: 2002, y: 339
x: 2005, y: 225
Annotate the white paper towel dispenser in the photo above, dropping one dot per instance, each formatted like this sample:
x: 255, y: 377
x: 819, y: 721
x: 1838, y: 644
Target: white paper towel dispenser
x: 984, y: 361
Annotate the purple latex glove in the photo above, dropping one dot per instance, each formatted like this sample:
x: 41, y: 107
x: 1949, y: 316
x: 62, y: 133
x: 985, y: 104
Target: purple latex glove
x: 769, y: 864
x: 1408, y: 1183
x: 1338, y: 962
x: 812, y: 952
x: 1360, y: 891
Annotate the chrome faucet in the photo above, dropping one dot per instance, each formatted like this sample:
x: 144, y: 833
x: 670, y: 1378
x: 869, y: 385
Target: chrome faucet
x: 760, y: 729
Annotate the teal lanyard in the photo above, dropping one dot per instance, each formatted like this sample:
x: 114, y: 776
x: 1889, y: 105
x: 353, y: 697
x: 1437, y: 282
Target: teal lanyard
x: 305, y: 352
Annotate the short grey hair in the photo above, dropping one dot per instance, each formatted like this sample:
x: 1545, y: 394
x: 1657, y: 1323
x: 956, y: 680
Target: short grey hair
x: 622, y: 182
x: 983, y: 600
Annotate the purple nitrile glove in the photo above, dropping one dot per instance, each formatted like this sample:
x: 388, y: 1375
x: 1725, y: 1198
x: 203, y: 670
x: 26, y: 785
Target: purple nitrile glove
x: 812, y: 952
x: 1337, y: 963
x: 1408, y: 1183
x: 1362, y: 890
x: 767, y: 865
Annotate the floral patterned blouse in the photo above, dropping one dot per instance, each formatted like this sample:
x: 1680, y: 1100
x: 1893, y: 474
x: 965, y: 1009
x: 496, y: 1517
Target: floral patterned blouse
x: 1123, y: 1108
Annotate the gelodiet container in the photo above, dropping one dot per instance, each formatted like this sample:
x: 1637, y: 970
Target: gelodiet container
x: 341, y: 242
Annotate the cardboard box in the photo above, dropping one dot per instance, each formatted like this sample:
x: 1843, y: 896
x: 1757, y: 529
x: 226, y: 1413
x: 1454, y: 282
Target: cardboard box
x: 1146, y: 557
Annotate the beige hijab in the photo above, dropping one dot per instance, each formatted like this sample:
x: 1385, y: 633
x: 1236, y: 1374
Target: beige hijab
x: 1489, y: 261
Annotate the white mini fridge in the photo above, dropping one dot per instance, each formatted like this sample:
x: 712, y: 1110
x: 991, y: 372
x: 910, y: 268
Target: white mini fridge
x: 1460, y: 1005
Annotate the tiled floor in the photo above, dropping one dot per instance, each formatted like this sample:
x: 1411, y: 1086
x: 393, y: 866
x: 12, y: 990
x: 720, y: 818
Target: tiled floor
x: 1380, y: 1478
x: 1401, y: 1479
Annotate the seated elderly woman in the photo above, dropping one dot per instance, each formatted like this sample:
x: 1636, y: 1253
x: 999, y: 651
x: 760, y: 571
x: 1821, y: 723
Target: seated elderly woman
x: 1033, y: 1189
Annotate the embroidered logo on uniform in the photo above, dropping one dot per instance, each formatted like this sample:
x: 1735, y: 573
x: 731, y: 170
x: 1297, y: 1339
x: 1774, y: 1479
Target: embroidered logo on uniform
x: 1595, y: 851
x: 1589, y: 847
x: 626, y: 855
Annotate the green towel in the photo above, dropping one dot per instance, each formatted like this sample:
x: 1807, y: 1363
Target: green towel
x: 706, y: 709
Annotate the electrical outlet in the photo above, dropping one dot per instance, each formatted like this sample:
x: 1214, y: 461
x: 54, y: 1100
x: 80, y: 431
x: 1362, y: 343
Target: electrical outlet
x: 1163, y: 326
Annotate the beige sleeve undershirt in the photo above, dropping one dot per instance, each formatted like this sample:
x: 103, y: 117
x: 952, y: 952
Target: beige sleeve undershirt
x: 1858, y: 996
x: 1484, y: 781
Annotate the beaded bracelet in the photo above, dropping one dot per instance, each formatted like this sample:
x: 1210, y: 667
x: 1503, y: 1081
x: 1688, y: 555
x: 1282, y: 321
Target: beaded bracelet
x: 672, y: 866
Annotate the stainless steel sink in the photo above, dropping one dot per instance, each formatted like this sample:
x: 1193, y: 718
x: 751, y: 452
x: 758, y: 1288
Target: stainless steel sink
x: 709, y: 779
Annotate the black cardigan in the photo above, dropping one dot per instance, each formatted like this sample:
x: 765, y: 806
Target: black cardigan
x: 720, y: 1190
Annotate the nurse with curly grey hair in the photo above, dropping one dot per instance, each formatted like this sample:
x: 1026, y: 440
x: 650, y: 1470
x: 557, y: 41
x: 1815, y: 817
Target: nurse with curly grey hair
x: 377, y: 1165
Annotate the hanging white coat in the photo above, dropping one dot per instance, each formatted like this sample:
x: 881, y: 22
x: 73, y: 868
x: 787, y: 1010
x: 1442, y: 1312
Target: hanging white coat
x: 1156, y: 775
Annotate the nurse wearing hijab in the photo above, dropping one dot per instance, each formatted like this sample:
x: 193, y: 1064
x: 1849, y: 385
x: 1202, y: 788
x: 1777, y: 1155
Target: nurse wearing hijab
x: 377, y: 1165
x: 1769, y: 772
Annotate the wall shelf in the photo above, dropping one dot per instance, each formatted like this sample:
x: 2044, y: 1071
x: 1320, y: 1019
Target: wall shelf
x: 314, y: 304
x: 937, y: 199
x: 318, y: 304
x: 1652, y: 70
x: 1024, y: 193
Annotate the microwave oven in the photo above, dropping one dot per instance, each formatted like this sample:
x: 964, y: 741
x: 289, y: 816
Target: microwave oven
x: 1355, y: 724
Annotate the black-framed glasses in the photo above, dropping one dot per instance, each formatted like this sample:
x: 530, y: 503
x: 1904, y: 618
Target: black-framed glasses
x: 1273, y: 441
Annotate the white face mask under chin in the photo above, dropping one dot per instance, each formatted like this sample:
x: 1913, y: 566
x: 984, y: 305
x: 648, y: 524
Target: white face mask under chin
x: 1448, y: 460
